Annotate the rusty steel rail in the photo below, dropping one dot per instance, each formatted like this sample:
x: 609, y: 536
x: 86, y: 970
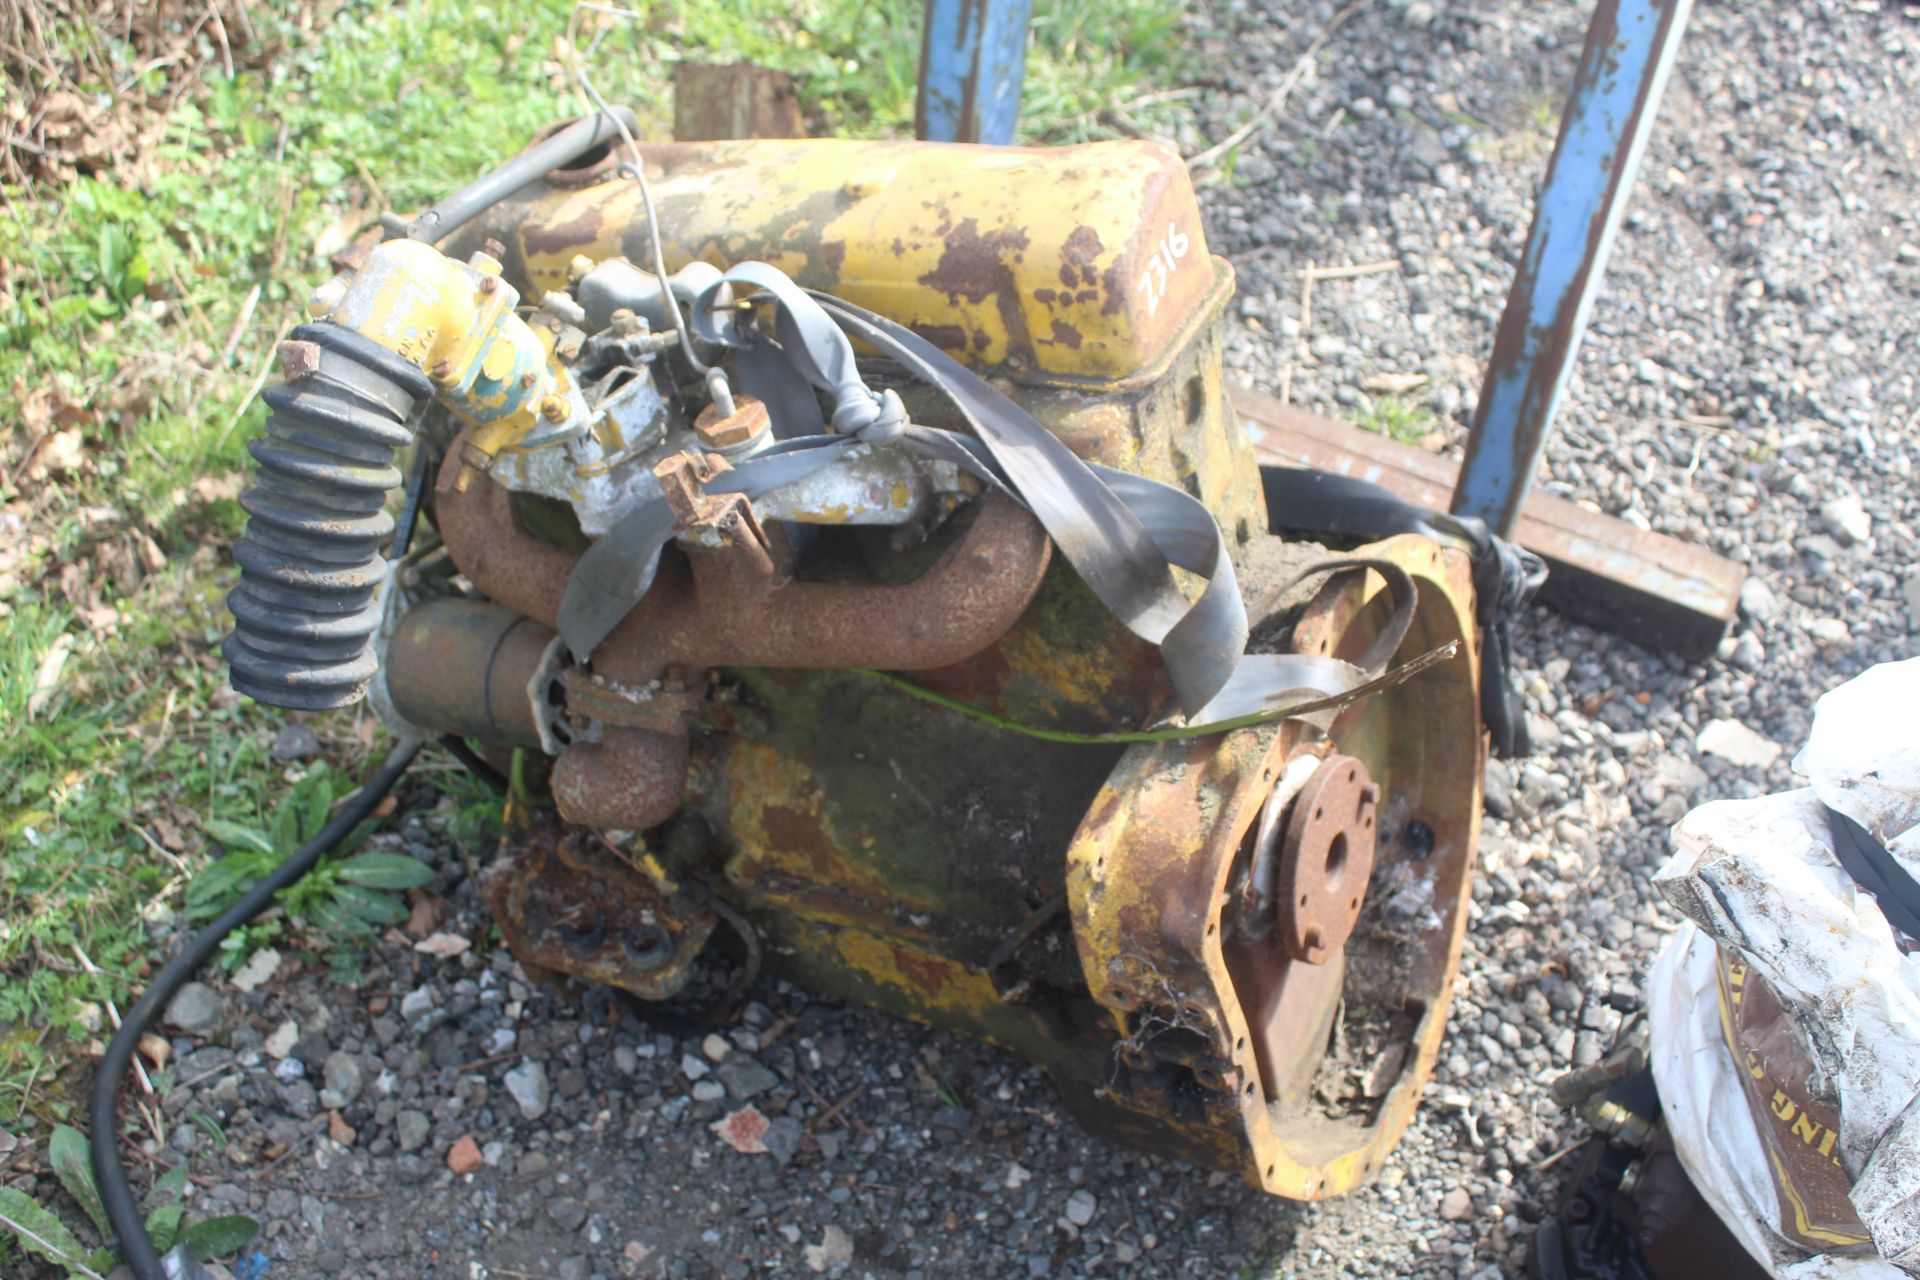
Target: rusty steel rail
x: 1609, y: 114
x: 1662, y: 592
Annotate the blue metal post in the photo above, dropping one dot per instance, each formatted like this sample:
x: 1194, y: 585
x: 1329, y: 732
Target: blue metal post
x: 973, y: 58
x: 1609, y: 114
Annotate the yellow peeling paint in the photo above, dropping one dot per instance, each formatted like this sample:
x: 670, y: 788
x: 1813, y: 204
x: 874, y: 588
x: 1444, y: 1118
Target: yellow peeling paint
x: 1084, y: 262
x: 937, y: 984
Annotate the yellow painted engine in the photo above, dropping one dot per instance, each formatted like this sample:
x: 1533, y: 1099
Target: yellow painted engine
x: 876, y: 566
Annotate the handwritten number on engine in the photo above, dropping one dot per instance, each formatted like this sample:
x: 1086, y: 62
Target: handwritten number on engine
x: 1160, y: 267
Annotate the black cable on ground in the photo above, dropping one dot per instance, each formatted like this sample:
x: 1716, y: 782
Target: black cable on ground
x: 104, y: 1123
x: 476, y: 764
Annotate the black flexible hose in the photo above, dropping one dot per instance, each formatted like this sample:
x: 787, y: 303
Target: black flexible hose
x: 308, y: 608
x: 123, y: 1211
x: 562, y: 149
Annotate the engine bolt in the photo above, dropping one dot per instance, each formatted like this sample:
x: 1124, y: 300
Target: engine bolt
x: 554, y: 408
x: 442, y: 370
x: 493, y: 248
x: 527, y: 380
x: 489, y: 284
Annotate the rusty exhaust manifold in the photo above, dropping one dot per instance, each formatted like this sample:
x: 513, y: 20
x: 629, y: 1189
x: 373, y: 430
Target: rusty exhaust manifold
x: 708, y: 607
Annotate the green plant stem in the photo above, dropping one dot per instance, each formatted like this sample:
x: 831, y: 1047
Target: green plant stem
x: 1172, y: 733
x: 53, y: 1250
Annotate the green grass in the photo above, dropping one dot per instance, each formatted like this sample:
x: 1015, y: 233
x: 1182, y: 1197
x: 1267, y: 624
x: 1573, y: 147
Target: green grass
x: 1397, y: 417
x: 1531, y: 125
x: 124, y: 292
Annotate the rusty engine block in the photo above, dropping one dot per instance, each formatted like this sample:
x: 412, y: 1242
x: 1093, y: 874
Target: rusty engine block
x: 1236, y: 947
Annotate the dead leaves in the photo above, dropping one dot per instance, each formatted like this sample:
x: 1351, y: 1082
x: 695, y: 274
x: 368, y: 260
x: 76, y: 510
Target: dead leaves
x: 65, y: 134
x: 55, y: 443
x: 155, y: 1049
x: 1393, y: 384
x: 71, y: 128
x: 46, y: 680
x: 61, y: 453
x: 58, y: 537
x: 426, y: 912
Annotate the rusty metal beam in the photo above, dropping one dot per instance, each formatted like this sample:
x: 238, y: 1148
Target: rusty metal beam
x: 973, y: 59
x: 1662, y: 592
x: 739, y: 100
x: 1609, y: 114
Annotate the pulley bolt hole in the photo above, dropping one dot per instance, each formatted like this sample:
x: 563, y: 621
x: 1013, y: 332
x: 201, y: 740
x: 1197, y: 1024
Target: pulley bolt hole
x: 649, y: 944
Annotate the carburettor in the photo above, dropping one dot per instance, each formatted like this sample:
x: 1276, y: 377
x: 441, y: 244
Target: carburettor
x: 887, y: 582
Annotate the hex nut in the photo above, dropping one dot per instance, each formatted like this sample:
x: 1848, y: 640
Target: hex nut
x: 748, y: 420
x: 298, y: 360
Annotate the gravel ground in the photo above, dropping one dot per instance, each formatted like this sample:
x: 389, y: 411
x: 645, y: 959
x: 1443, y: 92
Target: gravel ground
x: 1749, y: 383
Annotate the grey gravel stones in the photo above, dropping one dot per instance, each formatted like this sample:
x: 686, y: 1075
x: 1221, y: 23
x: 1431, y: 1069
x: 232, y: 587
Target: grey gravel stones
x: 341, y: 1078
x: 194, y: 1010
x: 567, y: 1213
x: 746, y: 1078
x: 417, y: 1005
x: 1847, y: 517
x: 527, y: 1084
x: 412, y: 1129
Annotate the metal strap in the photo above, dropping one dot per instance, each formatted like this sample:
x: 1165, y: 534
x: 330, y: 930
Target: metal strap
x: 1122, y: 533
x: 1505, y: 576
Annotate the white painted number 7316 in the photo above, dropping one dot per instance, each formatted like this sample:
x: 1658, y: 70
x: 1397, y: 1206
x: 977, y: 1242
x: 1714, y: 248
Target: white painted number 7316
x: 1160, y: 267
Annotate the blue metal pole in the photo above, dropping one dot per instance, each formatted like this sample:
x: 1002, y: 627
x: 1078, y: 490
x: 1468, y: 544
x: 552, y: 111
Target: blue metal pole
x: 973, y: 58
x: 1609, y: 114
